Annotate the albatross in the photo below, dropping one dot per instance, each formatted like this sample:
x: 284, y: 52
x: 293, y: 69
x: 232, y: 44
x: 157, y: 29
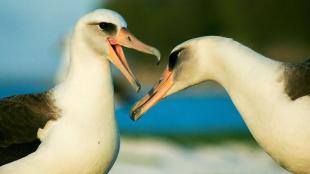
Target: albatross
x: 272, y: 97
x: 71, y: 128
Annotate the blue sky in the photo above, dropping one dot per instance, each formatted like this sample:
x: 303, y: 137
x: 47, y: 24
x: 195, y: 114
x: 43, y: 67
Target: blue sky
x: 31, y: 34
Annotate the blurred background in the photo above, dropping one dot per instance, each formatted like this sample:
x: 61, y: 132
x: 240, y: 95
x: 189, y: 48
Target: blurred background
x: 197, y: 131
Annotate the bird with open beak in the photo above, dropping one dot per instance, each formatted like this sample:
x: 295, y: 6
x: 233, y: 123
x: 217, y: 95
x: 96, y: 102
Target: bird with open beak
x: 118, y: 36
x: 117, y: 57
x: 71, y: 128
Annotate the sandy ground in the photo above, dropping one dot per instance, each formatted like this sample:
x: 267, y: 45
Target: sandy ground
x: 156, y: 156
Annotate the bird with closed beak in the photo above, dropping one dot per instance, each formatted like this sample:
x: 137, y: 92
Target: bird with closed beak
x: 272, y: 97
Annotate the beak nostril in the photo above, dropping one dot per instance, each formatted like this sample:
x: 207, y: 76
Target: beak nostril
x: 129, y: 38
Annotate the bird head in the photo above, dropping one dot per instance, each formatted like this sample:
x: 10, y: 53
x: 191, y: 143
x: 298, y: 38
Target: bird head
x: 105, y: 32
x: 190, y: 63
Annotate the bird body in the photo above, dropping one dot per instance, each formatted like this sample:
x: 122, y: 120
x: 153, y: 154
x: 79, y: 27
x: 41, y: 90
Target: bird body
x: 85, y: 136
x: 258, y: 86
x: 72, y: 127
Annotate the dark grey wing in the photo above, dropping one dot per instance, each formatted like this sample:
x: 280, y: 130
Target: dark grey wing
x: 297, y: 79
x: 17, y: 151
x: 20, y: 118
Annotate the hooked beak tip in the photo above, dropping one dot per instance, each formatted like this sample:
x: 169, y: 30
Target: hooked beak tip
x: 135, y: 114
x: 138, y: 86
x: 158, y: 62
x: 156, y: 53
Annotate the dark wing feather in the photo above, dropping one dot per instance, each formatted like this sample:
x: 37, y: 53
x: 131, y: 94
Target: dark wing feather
x: 17, y: 151
x: 20, y: 118
x: 297, y: 78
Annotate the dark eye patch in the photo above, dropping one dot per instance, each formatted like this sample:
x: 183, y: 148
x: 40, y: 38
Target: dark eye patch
x: 173, y: 58
x: 107, y: 27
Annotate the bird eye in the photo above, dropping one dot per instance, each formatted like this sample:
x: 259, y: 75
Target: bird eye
x: 103, y: 25
x: 107, y: 27
x: 173, y: 59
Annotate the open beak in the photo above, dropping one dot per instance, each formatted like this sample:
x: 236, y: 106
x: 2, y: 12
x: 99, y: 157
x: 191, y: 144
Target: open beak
x: 117, y: 56
x: 158, y: 92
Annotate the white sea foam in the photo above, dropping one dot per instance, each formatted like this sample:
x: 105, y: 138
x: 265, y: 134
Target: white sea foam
x: 156, y: 156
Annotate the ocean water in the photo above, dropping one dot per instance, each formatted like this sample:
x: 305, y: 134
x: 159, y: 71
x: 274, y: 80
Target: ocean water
x: 203, y: 114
